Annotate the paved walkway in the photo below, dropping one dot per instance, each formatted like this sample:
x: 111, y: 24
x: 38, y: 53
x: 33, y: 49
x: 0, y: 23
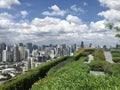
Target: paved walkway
x: 97, y: 72
x: 108, y: 56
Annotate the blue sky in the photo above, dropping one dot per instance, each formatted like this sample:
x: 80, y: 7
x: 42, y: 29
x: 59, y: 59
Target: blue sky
x: 58, y: 21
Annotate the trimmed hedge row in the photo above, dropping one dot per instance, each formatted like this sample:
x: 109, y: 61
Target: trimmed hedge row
x: 115, y: 56
x: 113, y: 69
x: 25, y: 81
x: 97, y: 65
x: 116, y: 59
x: 115, y: 51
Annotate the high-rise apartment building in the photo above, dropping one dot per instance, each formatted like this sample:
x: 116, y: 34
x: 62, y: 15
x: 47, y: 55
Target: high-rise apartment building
x: 16, y: 53
x: 29, y: 46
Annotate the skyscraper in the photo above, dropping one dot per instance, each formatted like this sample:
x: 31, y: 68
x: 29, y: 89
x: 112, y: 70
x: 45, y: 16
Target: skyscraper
x: 4, y: 56
x: 16, y: 53
x: 22, y: 52
x: 2, y: 47
x: 29, y: 46
x: 82, y: 44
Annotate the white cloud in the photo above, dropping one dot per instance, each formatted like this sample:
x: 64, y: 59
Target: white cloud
x: 111, y: 15
x: 5, y: 15
x: 73, y: 19
x: 8, y: 3
x: 24, y: 14
x: 77, y: 9
x: 112, y: 4
x: 55, y: 8
x: 98, y: 26
x: 56, y: 11
x: 52, y: 30
x: 5, y: 19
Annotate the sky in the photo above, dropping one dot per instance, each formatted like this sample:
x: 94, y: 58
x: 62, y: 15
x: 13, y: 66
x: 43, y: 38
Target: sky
x: 59, y: 21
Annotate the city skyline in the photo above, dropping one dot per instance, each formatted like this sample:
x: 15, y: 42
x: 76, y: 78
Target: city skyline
x: 45, y: 22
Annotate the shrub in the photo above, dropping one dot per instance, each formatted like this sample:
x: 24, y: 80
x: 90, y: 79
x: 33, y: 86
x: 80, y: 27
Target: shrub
x: 115, y: 54
x: 113, y: 69
x: 99, y: 55
x: 116, y: 59
x: 98, y: 65
x: 115, y: 51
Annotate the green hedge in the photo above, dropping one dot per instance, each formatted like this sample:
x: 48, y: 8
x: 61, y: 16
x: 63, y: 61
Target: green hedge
x: 25, y: 81
x: 116, y: 59
x: 76, y: 76
x: 90, y: 50
x: 115, y: 54
x: 115, y: 51
x: 97, y: 65
x: 113, y: 69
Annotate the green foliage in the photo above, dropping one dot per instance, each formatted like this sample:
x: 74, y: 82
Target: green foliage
x: 117, y: 28
x: 116, y: 59
x: 109, y: 26
x: 90, y: 50
x: 117, y: 35
x: 97, y: 65
x: 113, y: 69
x: 75, y: 76
x: 115, y: 56
x: 115, y: 51
x: 99, y: 55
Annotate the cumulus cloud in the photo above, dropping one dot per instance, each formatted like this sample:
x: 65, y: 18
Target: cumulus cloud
x: 73, y: 19
x: 112, y: 4
x: 55, y: 11
x: 8, y: 3
x: 77, y: 9
x: 24, y: 14
x: 52, y: 30
x: 47, y: 29
x: 98, y: 26
x: 111, y: 15
x: 5, y: 16
x: 5, y: 19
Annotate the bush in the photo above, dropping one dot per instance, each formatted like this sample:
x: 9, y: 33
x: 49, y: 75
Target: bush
x: 116, y: 59
x: 115, y: 51
x: 90, y: 50
x: 98, y: 65
x: 113, y: 69
x: 115, y: 54
x: 99, y: 55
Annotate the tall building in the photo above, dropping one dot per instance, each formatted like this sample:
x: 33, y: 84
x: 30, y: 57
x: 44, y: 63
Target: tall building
x: 16, y: 53
x: 22, y: 53
x: 29, y: 46
x: 4, y: 56
x: 82, y: 44
x: 2, y: 47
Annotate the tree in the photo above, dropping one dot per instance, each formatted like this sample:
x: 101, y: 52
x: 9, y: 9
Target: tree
x: 111, y: 26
